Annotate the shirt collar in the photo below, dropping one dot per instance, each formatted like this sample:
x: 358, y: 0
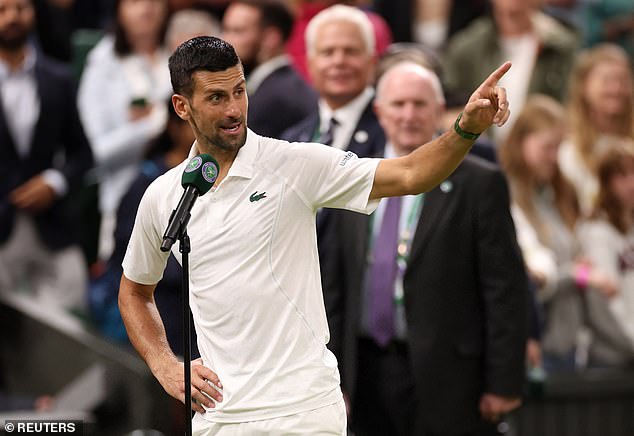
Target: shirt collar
x: 350, y: 113
x: 242, y: 165
x: 389, y: 152
x: 264, y: 70
x: 27, y: 67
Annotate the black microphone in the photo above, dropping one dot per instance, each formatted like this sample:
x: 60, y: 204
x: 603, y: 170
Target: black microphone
x: 199, y: 176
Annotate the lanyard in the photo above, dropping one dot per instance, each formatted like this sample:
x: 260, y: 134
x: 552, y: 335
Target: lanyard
x: 407, y: 233
x: 404, y: 246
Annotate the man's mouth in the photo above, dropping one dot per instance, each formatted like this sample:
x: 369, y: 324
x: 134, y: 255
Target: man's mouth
x: 340, y: 77
x: 231, y: 128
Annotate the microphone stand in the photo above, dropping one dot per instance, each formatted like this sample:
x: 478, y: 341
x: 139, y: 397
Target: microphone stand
x: 184, y: 248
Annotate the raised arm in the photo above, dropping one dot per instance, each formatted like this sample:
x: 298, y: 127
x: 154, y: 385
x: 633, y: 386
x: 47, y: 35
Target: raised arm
x: 431, y: 163
x: 147, y: 333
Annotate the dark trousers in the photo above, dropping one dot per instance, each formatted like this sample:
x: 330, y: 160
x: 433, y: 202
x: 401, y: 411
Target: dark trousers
x: 384, y: 401
x: 385, y: 397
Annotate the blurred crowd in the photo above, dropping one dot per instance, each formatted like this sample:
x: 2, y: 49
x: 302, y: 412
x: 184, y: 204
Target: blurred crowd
x: 86, y: 124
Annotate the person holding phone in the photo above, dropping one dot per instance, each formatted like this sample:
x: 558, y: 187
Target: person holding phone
x: 122, y: 96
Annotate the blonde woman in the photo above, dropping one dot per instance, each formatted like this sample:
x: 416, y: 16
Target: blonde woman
x: 608, y: 241
x: 544, y: 204
x: 600, y: 106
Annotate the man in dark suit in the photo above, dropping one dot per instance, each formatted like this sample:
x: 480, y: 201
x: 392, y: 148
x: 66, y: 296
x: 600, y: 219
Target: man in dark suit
x: 340, y: 44
x: 426, y: 299
x: 278, y: 96
x: 43, y: 155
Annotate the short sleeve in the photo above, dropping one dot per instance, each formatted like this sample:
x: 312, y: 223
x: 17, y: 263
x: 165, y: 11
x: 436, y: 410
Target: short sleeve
x: 328, y: 177
x: 144, y: 262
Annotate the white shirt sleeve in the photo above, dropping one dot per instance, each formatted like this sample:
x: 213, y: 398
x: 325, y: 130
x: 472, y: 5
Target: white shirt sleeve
x: 144, y: 262
x: 327, y: 177
x: 56, y: 180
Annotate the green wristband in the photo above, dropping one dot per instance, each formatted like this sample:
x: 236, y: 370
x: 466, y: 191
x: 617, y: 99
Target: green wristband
x: 462, y: 133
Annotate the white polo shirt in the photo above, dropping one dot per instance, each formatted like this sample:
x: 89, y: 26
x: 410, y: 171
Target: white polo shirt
x: 255, y: 288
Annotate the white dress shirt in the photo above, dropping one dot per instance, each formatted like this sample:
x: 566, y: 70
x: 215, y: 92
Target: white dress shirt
x: 347, y: 118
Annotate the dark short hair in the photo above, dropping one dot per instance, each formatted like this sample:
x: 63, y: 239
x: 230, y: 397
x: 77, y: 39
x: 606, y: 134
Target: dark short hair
x: 202, y: 53
x: 273, y: 13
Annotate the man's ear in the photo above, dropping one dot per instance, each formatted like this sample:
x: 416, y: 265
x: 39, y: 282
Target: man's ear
x: 181, y: 106
x: 376, y: 107
x: 373, y: 68
x: 440, y: 119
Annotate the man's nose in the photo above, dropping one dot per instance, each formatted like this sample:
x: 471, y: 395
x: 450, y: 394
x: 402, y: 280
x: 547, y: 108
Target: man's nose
x: 339, y: 56
x: 233, y: 108
x: 11, y: 14
x: 408, y: 111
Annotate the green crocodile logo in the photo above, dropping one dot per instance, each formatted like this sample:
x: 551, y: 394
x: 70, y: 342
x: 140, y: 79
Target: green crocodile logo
x: 257, y: 197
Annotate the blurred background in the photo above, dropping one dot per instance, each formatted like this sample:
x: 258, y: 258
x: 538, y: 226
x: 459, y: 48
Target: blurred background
x: 85, y: 134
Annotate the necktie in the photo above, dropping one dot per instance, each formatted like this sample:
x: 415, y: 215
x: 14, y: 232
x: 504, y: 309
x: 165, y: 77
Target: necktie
x: 328, y: 136
x: 383, y: 275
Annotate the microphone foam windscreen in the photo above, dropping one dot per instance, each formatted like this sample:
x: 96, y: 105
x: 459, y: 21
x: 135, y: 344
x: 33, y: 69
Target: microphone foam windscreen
x: 201, y: 172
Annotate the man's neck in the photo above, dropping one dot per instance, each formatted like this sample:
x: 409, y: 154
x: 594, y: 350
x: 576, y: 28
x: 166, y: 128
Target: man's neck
x: 14, y: 58
x: 267, y: 55
x: 404, y: 150
x: 224, y: 158
x: 335, y: 103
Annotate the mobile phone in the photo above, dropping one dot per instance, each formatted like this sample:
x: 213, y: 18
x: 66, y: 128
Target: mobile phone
x: 139, y: 102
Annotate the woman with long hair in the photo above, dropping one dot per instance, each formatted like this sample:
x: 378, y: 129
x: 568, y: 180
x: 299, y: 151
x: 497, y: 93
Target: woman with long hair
x: 544, y: 204
x: 600, y: 106
x: 608, y: 242
x: 122, y: 96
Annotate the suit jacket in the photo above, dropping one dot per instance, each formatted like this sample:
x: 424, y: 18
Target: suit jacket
x: 282, y: 100
x: 465, y: 296
x: 363, y: 145
x: 57, y: 131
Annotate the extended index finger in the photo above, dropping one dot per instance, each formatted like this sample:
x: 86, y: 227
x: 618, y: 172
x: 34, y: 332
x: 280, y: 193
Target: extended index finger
x: 495, y: 76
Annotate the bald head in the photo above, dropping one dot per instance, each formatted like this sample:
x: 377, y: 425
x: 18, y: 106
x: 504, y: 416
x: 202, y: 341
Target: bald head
x: 412, y: 69
x: 409, y: 105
